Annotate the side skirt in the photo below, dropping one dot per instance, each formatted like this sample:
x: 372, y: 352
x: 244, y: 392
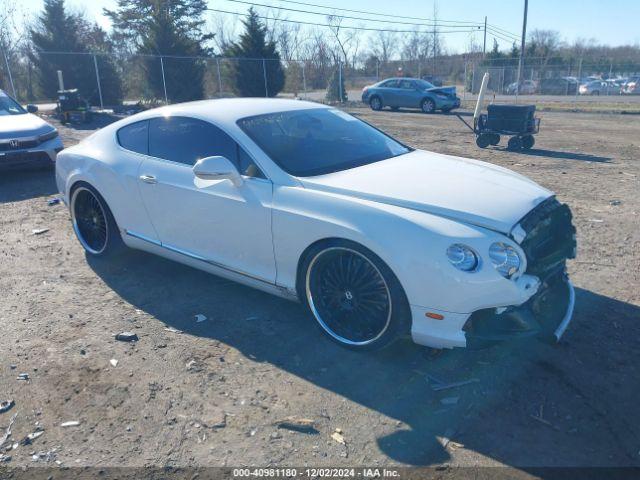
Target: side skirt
x: 142, y: 242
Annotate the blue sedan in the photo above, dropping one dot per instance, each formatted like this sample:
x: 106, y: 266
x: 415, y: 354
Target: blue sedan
x: 410, y: 93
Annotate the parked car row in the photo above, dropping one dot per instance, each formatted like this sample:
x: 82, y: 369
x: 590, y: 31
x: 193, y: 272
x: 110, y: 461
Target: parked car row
x: 572, y: 85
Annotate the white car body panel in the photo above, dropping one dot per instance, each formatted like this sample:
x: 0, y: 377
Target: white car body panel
x: 408, y: 210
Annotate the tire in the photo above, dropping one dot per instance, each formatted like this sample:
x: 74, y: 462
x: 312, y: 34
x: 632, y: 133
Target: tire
x: 483, y: 140
x: 93, y: 222
x: 353, y: 295
x: 494, y: 139
x: 528, y: 141
x: 395, y: 109
x: 514, y: 144
x: 428, y: 106
x: 375, y: 103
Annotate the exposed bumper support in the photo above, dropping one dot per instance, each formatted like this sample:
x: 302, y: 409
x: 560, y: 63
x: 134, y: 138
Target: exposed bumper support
x: 569, y: 313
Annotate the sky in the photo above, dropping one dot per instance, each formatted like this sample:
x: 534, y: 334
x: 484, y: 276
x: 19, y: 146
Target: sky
x: 613, y: 22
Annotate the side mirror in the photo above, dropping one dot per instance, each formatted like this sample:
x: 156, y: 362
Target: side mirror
x: 31, y: 108
x: 217, y: 168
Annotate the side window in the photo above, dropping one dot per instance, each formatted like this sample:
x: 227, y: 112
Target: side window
x: 407, y: 84
x: 246, y: 166
x: 390, y: 84
x: 135, y: 137
x: 187, y: 140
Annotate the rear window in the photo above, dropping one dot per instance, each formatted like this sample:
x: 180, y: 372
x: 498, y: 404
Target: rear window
x: 135, y: 137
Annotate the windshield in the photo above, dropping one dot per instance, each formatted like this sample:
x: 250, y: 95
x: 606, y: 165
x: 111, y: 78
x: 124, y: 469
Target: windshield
x: 319, y: 141
x: 8, y: 106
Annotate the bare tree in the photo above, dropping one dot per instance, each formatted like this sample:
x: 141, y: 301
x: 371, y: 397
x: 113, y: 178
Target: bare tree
x: 384, y: 45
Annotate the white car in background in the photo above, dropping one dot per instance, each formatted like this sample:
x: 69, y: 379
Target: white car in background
x: 307, y: 202
x: 25, y: 139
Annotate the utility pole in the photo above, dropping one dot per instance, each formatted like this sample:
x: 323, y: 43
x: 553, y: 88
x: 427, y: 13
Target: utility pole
x: 522, y: 42
x: 435, y: 35
x: 484, y: 44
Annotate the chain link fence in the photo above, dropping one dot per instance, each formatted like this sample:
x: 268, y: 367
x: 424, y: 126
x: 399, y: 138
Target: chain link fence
x: 107, y: 80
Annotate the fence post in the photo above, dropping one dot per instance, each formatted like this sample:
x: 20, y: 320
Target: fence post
x: 264, y: 71
x: 304, y: 81
x: 340, y: 79
x: 464, y: 83
x: 6, y: 61
x: 164, y: 82
x: 95, y: 64
x: 377, y: 70
x: 219, y: 76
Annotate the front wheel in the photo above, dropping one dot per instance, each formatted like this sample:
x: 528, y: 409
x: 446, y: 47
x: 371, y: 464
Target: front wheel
x: 428, y: 106
x: 93, y: 222
x: 354, y: 296
x: 375, y: 103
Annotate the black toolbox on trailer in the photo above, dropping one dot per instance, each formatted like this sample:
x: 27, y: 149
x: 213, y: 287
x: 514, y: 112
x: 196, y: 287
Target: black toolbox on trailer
x: 516, y: 121
x: 511, y: 118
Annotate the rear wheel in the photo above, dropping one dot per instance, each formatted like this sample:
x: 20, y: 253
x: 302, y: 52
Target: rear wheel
x: 528, y: 141
x: 514, y: 144
x: 354, y: 296
x: 93, y: 222
x: 428, y: 106
x: 375, y: 103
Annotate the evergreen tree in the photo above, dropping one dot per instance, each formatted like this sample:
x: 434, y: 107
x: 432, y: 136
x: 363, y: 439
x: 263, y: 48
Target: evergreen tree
x: 172, y: 29
x: 99, y: 42
x: 56, y: 30
x: 248, y: 72
x: 336, y: 87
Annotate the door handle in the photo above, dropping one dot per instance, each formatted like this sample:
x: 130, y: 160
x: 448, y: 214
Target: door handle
x: 148, y: 179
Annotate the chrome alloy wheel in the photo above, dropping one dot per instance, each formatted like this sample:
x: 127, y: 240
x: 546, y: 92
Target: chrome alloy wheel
x: 348, y: 296
x: 89, y: 220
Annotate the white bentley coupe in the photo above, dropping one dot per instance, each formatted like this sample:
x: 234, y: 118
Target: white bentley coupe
x: 377, y: 239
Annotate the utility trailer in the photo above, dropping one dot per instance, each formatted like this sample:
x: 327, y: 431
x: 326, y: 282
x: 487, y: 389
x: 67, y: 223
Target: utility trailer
x: 516, y: 121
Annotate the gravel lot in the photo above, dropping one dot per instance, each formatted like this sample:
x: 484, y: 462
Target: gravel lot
x: 214, y: 394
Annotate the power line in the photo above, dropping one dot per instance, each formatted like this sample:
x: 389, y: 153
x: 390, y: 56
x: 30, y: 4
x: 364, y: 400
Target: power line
x: 378, y: 14
x: 502, y: 30
x: 429, y: 25
x: 300, y: 22
x: 501, y: 36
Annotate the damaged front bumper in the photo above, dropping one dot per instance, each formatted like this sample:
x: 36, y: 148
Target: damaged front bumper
x: 546, y: 314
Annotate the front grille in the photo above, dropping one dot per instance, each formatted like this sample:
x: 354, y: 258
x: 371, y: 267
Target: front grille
x: 6, y: 146
x: 550, y: 238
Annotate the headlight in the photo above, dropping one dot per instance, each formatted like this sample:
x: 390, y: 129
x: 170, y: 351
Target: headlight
x: 505, y: 259
x: 48, y: 136
x: 463, y: 258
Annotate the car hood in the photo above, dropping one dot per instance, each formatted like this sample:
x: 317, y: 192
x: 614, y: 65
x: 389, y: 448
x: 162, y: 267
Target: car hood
x: 444, y: 90
x: 25, y: 125
x: 461, y: 189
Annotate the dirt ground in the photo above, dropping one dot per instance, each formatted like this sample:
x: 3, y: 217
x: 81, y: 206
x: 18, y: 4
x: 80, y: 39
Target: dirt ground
x: 214, y: 393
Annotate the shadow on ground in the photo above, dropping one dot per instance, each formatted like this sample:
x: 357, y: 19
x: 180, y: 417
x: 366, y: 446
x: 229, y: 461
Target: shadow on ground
x: 581, y: 392
x: 24, y: 183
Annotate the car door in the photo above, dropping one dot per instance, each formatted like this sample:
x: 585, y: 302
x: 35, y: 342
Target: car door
x: 389, y: 92
x: 409, y: 95
x: 212, y: 220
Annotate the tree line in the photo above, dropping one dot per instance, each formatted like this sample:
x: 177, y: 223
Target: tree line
x: 197, y: 56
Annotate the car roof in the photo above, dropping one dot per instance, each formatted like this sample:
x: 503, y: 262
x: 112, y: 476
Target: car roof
x: 228, y: 110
